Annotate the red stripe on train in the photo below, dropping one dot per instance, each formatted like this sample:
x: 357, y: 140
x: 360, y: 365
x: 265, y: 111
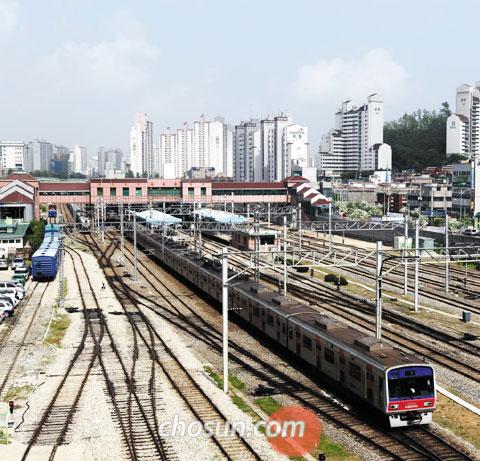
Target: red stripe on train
x: 414, y: 404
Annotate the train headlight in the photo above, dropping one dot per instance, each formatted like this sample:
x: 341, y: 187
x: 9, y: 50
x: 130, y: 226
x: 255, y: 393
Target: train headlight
x: 394, y: 406
x: 427, y: 404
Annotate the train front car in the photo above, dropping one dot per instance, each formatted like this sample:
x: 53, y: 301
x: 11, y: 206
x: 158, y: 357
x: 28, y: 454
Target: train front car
x: 410, y: 394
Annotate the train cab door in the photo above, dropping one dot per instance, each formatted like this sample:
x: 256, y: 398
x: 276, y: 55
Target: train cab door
x: 380, y: 392
x: 370, y: 383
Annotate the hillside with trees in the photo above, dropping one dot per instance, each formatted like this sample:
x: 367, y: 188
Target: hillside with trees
x: 418, y: 139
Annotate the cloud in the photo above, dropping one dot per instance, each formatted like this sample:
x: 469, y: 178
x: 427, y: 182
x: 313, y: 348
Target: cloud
x: 340, y: 78
x: 120, y: 64
x: 8, y: 16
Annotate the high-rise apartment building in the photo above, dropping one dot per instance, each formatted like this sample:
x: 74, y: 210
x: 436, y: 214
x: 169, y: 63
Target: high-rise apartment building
x: 12, y: 156
x: 356, y: 143
x: 39, y: 155
x: 168, y: 155
x: 141, y: 146
x: 79, y: 159
x: 208, y: 145
x: 266, y: 150
x: 463, y: 127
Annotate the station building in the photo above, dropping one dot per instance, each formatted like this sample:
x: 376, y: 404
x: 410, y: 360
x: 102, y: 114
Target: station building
x: 22, y: 195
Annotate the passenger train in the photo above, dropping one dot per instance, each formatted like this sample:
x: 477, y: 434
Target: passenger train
x: 400, y: 385
x: 81, y: 218
x: 46, y: 259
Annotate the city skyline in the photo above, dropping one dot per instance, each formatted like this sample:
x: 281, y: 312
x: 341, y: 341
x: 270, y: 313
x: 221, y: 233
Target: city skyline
x: 160, y: 71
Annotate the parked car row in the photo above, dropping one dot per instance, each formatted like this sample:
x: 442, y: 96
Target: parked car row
x: 13, y: 291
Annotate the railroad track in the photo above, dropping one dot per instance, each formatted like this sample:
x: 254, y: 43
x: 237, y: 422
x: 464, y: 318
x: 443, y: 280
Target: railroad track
x: 19, y: 331
x: 434, y: 278
x: 232, y: 446
x: 385, y: 442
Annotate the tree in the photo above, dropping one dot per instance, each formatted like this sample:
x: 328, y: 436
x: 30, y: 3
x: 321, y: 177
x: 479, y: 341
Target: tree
x: 129, y: 174
x: 36, y: 231
x: 418, y: 139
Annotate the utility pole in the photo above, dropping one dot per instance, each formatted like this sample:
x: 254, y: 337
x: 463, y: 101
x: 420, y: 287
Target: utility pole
x: 299, y: 223
x: 330, y: 226
x: 164, y: 228
x: 417, y: 264
x: 134, y: 245
x: 122, y: 236
x: 61, y: 290
x: 200, y: 229
x: 225, y: 317
x: 103, y: 221
x: 256, y: 230
x: 447, y: 256
x: 248, y: 211
x: 268, y: 214
x: 233, y: 206
x: 378, y: 303
x: 405, y: 265
x: 284, y: 256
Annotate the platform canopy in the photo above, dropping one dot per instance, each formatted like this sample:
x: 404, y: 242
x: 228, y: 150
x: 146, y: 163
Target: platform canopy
x: 156, y: 217
x: 222, y: 217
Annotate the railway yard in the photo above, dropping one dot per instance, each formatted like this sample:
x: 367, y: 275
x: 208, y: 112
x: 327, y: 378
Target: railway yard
x: 96, y: 361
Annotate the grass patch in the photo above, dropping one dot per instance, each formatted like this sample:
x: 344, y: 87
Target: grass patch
x: 3, y: 437
x: 20, y: 392
x: 268, y: 404
x: 58, y: 328
x: 242, y: 405
x: 233, y: 380
x: 333, y: 451
x: 457, y: 419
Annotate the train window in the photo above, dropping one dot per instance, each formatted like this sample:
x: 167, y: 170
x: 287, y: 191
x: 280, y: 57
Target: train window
x: 329, y: 356
x: 355, y: 371
x: 290, y: 333
x: 297, y: 334
x: 307, y: 343
x: 270, y: 319
x: 342, y: 360
x: 256, y: 311
x: 369, y: 376
x: 283, y: 328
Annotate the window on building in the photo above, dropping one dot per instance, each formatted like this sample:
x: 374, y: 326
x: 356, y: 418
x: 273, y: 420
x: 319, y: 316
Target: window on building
x: 138, y: 191
x: 113, y: 191
x: 100, y: 191
x: 191, y: 191
x: 203, y: 191
x: 126, y: 191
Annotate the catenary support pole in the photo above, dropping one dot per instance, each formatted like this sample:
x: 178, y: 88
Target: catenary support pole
x: 447, y: 257
x: 405, y: 262
x: 268, y: 214
x: 135, y: 246
x: 284, y: 256
x: 299, y: 222
x: 417, y: 265
x: 330, y: 226
x: 378, y: 303
x: 103, y: 221
x: 256, y: 231
x: 122, y: 236
x: 225, y: 317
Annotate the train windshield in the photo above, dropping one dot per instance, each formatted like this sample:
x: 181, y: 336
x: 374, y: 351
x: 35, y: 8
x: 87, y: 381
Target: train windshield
x: 410, y: 383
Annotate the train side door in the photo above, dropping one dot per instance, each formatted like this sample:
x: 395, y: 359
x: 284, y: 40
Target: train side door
x: 341, y: 366
x: 380, y: 392
x: 297, y: 340
x: 278, y: 329
x: 370, y: 383
x: 318, y: 354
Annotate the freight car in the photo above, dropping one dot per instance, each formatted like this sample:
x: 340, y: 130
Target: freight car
x: 46, y: 259
x: 81, y: 218
x: 401, y: 386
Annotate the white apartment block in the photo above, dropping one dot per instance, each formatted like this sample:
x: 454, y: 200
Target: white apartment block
x: 266, y: 150
x: 141, y: 146
x: 463, y: 127
x: 12, y: 156
x: 168, y: 155
x: 40, y: 154
x: 208, y: 145
x: 356, y: 143
x: 79, y: 159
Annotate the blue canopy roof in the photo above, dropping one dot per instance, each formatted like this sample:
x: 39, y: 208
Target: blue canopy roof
x: 157, y: 217
x: 222, y: 217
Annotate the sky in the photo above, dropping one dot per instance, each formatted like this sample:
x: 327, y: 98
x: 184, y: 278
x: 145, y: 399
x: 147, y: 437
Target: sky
x: 76, y: 71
